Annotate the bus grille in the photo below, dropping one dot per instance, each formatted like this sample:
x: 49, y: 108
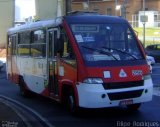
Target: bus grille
x: 119, y: 85
x: 125, y: 95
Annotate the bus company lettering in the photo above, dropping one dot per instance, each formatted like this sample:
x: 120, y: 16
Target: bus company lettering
x: 136, y: 72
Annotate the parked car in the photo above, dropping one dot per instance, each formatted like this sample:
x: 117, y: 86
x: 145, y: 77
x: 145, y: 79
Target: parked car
x: 1, y: 65
x: 154, y: 51
x: 150, y: 59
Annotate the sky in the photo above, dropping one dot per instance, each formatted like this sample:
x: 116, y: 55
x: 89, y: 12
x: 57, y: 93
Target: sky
x: 24, y: 9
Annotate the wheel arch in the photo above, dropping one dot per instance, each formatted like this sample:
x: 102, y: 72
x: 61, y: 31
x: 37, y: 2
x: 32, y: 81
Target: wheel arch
x: 66, y: 88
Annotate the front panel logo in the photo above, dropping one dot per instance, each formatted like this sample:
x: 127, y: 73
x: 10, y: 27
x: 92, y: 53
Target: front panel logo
x: 122, y: 73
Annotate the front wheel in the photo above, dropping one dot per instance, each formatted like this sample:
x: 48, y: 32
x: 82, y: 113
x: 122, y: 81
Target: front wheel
x: 1, y: 68
x: 72, y: 103
x: 134, y: 107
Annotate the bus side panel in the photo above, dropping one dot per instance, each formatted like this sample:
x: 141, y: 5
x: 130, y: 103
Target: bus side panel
x: 34, y: 73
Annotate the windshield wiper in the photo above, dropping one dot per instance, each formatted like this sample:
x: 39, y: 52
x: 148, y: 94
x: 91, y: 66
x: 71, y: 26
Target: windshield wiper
x: 121, y: 52
x: 100, y: 51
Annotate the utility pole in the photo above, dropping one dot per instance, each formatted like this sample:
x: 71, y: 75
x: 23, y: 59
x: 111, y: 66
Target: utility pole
x: 68, y: 4
x: 88, y: 4
x: 115, y: 7
x: 144, y: 23
x: 13, y: 13
x: 123, y: 9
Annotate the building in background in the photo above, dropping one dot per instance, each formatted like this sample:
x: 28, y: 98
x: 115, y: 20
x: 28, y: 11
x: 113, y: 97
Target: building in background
x: 24, y: 9
x: 46, y: 9
x: 6, y: 19
x: 49, y: 9
x: 129, y: 9
x: 16, y: 11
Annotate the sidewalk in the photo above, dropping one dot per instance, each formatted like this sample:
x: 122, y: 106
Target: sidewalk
x: 9, y: 117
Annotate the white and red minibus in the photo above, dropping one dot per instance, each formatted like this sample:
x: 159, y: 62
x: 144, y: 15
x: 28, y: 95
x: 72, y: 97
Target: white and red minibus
x: 85, y: 60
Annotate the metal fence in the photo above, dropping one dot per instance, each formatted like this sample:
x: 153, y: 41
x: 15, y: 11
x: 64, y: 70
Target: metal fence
x: 148, y: 39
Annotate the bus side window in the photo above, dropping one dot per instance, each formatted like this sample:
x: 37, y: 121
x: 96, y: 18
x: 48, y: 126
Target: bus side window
x: 38, y: 46
x: 13, y: 44
x: 9, y: 46
x: 24, y: 44
x: 67, y: 48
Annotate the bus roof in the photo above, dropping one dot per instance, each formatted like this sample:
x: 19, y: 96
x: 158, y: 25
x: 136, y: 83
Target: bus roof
x: 33, y: 25
x: 80, y: 18
x: 94, y: 18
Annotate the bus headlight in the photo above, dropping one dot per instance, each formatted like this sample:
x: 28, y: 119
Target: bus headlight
x: 93, y: 81
x: 145, y: 77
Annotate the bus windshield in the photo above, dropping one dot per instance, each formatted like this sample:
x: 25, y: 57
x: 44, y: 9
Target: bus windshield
x: 106, y: 42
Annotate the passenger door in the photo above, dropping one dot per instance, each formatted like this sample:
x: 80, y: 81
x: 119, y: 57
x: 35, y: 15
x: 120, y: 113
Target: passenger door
x: 12, y: 64
x: 9, y: 58
x: 52, y: 62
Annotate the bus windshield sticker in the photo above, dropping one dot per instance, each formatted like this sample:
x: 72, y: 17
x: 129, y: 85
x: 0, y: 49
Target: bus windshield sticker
x: 88, y: 39
x: 79, y: 38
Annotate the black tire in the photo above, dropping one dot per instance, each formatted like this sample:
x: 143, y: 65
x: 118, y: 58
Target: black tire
x: 1, y: 68
x: 134, y: 107
x: 71, y: 103
x: 23, y: 91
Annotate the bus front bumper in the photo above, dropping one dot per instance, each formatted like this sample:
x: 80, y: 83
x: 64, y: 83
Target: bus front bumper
x: 95, y: 96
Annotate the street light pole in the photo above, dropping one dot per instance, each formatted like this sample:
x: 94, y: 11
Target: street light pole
x: 123, y: 9
x: 88, y: 4
x: 68, y: 6
x: 115, y: 7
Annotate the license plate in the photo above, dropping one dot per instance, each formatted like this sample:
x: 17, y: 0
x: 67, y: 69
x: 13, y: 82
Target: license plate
x: 126, y: 102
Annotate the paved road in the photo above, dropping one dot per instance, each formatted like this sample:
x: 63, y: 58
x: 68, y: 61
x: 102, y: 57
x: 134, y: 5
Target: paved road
x: 156, y: 74
x: 156, y: 79
x: 57, y: 115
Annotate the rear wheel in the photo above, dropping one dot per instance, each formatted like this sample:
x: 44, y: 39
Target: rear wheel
x: 134, y: 107
x: 23, y: 91
x: 71, y: 103
x: 1, y: 68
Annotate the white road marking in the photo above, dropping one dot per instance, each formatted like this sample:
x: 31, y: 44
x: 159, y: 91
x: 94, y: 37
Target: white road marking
x: 29, y: 109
